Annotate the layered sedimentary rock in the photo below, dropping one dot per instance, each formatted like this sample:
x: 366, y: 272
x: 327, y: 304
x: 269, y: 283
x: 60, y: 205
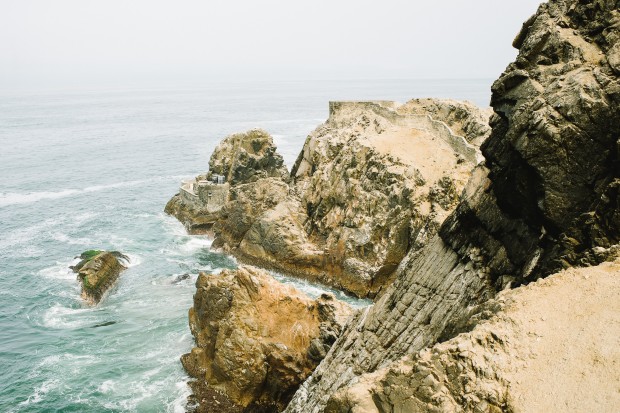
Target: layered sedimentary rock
x: 372, y: 183
x: 532, y: 355
x: 546, y: 198
x: 257, y: 340
x: 98, y: 271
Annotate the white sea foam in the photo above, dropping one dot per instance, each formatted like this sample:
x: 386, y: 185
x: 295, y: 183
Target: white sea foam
x: 60, y: 317
x: 107, y: 386
x: 62, y: 237
x: 195, y: 243
x: 40, y: 392
x: 14, y: 198
x: 25, y: 235
x: 133, y: 260
x: 179, y: 403
x: 60, y: 270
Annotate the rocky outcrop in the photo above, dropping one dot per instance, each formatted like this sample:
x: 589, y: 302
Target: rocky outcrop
x: 240, y: 158
x: 257, y: 340
x: 546, y: 198
x: 247, y: 157
x: 532, y: 355
x: 372, y: 183
x: 98, y: 271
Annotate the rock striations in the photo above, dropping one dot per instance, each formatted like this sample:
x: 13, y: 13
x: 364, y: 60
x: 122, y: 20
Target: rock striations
x: 526, y: 358
x: 98, y: 271
x: 546, y: 198
x: 371, y: 184
x: 257, y: 340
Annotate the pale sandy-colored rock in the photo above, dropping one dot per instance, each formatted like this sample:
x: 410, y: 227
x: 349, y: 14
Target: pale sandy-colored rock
x: 552, y: 346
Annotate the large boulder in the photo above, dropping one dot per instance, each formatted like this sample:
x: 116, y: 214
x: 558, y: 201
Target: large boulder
x: 546, y: 198
x: 257, y: 340
x: 97, y: 271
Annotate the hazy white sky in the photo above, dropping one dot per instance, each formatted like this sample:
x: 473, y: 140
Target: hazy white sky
x: 47, y: 43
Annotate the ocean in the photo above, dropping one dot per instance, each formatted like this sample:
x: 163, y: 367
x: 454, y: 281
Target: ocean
x: 94, y: 170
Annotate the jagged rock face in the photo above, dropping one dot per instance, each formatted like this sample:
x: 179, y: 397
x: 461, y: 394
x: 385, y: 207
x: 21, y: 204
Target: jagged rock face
x: 547, y: 197
x: 377, y: 180
x: 525, y: 358
x: 257, y: 177
x: 372, y: 183
x: 358, y: 202
x: 257, y: 339
x: 247, y: 157
x: 247, y: 202
x: 97, y: 272
x: 553, y: 152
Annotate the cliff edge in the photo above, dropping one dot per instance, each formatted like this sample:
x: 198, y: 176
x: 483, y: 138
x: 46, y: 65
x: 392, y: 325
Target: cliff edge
x: 546, y: 198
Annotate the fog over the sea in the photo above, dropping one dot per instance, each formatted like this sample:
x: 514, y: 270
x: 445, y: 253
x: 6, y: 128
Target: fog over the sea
x: 76, y: 43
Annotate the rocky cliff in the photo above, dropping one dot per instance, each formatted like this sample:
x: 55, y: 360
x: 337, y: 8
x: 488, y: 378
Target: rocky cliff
x: 371, y: 184
x: 546, y: 198
x: 257, y: 340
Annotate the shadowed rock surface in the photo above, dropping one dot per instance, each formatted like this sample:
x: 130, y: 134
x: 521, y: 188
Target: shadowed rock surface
x: 547, y: 198
x: 257, y: 340
x: 98, y: 271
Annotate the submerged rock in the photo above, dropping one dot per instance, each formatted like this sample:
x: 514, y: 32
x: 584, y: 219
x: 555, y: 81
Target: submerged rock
x: 546, y: 198
x: 371, y: 184
x: 97, y: 272
x: 257, y: 340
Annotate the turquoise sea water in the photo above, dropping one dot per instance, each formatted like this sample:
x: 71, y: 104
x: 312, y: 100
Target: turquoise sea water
x: 94, y: 170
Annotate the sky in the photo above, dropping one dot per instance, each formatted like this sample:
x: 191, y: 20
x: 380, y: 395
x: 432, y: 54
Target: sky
x: 49, y: 43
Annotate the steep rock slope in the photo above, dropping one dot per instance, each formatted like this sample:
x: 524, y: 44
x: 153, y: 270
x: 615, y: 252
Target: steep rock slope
x: 546, y: 198
x: 526, y: 358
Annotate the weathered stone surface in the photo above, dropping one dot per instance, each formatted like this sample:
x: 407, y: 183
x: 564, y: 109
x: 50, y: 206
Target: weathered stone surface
x: 242, y: 159
x: 545, y: 198
x: 97, y: 272
x: 195, y: 219
x: 247, y: 157
x: 257, y: 339
x: 526, y: 358
x: 373, y: 182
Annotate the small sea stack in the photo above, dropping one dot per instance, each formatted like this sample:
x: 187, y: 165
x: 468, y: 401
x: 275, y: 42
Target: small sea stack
x: 97, y: 271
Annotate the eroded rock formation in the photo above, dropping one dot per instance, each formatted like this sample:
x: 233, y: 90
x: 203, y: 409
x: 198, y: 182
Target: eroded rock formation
x: 98, y: 271
x: 546, y: 197
x: 257, y: 340
x: 242, y: 158
x: 372, y: 183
